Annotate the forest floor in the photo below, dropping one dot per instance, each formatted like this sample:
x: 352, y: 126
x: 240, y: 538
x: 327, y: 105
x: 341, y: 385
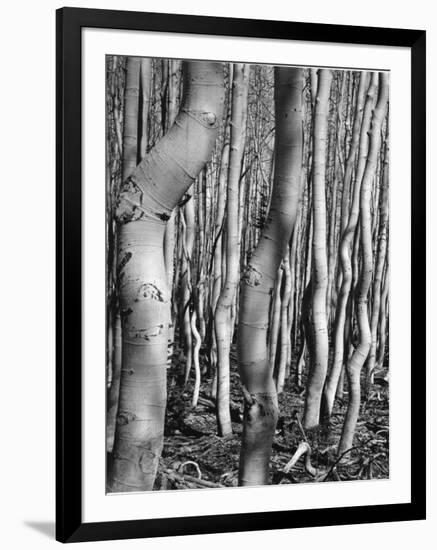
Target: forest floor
x: 195, y: 457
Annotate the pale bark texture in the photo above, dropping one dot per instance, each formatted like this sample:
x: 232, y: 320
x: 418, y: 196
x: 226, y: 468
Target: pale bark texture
x: 359, y: 137
x: 145, y: 83
x: 129, y: 151
x: 131, y: 110
x: 247, y: 256
x: 319, y: 350
x: 146, y: 201
x: 223, y: 330
x: 379, y: 268
x: 260, y: 414
x: 360, y: 354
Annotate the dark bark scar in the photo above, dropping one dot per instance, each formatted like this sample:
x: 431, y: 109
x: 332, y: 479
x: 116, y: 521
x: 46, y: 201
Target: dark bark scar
x: 252, y: 277
x: 150, y: 291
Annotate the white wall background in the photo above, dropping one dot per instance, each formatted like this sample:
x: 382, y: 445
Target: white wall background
x: 27, y: 305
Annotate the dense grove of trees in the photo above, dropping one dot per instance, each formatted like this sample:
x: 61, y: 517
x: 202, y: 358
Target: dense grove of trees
x: 247, y: 228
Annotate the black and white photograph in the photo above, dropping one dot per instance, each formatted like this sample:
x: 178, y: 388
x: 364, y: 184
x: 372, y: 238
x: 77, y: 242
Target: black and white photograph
x: 218, y: 275
x: 247, y: 274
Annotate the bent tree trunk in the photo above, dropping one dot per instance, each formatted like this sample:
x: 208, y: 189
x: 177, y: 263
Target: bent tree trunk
x: 361, y: 352
x: 379, y: 268
x: 359, y: 139
x: 261, y: 408
x: 319, y: 341
x: 146, y: 201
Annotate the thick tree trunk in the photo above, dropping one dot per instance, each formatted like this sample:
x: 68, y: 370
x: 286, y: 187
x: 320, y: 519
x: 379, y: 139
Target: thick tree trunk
x: 260, y: 413
x: 147, y: 199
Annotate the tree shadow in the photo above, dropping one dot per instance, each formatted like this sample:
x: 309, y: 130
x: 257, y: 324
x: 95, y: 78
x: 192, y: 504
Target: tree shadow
x: 46, y: 528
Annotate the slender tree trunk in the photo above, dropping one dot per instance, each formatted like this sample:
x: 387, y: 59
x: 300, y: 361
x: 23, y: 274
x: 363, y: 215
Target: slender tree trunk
x: 114, y: 390
x: 146, y: 201
x: 319, y: 342
x: 131, y: 110
x: 285, y: 324
x: 218, y: 233
x: 380, y: 261
x: 359, y: 138
x: 223, y: 330
x: 145, y: 83
x: 275, y: 320
x: 360, y: 354
x: 383, y: 314
x: 129, y: 155
x: 260, y: 413
x: 188, y: 235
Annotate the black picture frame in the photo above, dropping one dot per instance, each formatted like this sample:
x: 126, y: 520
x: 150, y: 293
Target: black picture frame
x: 69, y: 525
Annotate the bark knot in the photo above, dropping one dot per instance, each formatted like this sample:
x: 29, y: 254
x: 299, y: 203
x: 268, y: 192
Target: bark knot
x: 252, y: 277
x: 148, y: 333
x: 163, y: 216
x: 150, y: 291
x: 125, y: 417
x: 128, y: 206
x: 146, y: 462
x: 205, y: 118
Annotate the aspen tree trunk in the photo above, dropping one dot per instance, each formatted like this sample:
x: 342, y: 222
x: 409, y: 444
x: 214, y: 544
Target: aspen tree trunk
x: 131, y: 119
x: 293, y: 273
x: 383, y: 314
x: 146, y: 201
x: 275, y: 320
x: 285, y: 324
x: 319, y: 342
x: 261, y: 408
x: 223, y: 330
x: 145, y: 82
x: 380, y: 261
x: 359, y: 138
x: 169, y: 116
x: 130, y: 156
x: 218, y: 232
x: 360, y: 354
x: 188, y: 235
x: 333, y: 257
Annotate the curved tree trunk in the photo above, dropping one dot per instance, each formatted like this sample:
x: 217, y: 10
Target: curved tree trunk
x: 147, y: 199
x: 187, y: 236
x: 260, y: 413
x: 360, y: 354
x: 319, y: 342
x: 379, y: 269
x: 359, y: 138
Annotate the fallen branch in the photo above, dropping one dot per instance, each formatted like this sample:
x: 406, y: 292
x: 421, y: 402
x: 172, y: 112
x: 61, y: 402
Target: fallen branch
x: 303, y: 449
x: 191, y: 480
